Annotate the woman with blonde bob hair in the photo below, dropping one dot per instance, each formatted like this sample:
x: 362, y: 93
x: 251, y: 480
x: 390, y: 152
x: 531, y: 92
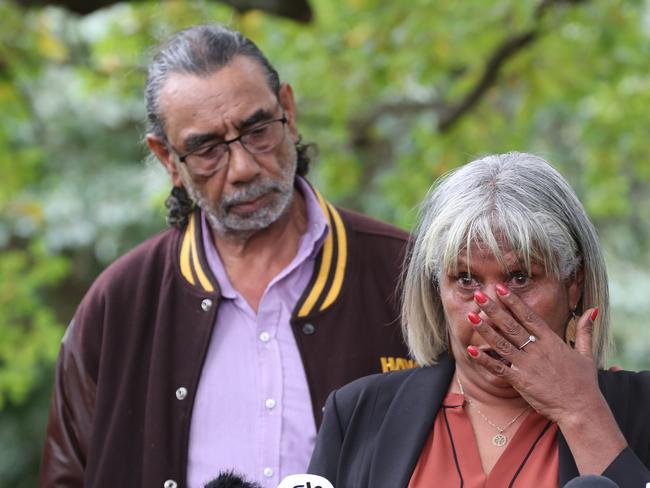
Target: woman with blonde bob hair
x: 506, y: 311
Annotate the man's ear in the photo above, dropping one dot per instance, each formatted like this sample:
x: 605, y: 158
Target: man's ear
x: 166, y: 158
x: 285, y: 96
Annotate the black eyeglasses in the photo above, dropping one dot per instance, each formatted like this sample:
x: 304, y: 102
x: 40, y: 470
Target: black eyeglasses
x: 207, y: 160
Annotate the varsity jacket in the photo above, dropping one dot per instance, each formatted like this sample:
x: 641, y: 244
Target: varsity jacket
x: 375, y: 428
x: 131, y: 358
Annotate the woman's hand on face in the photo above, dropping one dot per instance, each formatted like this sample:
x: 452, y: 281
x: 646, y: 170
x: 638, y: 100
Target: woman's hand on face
x: 556, y: 380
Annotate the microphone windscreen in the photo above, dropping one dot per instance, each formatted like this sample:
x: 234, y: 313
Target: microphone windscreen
x: 305, y: 481
x: 591, y: 481
x: 230, y: 479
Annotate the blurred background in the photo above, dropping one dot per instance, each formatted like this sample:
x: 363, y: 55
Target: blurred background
x: 394, y: 93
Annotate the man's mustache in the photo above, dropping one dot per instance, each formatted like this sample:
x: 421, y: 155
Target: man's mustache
x: 250, y: 193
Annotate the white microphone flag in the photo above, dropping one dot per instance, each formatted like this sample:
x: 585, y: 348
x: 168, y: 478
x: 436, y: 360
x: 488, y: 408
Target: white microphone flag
x: 305, y: 481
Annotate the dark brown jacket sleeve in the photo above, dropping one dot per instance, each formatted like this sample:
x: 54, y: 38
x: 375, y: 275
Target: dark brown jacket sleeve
x: 70, y: 419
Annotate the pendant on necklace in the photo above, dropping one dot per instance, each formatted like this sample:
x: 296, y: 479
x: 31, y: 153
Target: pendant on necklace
x: 499, y: 440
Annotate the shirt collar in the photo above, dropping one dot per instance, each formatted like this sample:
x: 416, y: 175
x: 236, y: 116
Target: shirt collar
x: 310, y: 244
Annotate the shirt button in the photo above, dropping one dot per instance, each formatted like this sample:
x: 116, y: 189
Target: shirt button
x: 181, y: 393
x: 270, y: 403
x: 265, y: 337
x: 206, y: 304
x: 308, y: 329
x: 268, y: 472
x: 170, y: 484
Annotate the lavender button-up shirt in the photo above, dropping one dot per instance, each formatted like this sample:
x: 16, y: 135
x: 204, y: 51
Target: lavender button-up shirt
x: 253, y: 412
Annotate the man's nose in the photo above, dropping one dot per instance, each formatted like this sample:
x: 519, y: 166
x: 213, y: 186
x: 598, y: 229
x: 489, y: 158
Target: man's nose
x: 242, y: 166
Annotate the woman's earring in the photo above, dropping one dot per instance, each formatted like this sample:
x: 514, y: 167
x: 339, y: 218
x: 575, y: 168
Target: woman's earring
x: 570, y: 330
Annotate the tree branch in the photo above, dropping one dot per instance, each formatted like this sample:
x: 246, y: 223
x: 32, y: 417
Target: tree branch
x: 448, y: 114
x: 508, y: 49
x: 297, y: 10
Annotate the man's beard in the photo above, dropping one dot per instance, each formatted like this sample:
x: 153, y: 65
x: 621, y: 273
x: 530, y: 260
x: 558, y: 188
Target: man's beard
x: 226, y: 222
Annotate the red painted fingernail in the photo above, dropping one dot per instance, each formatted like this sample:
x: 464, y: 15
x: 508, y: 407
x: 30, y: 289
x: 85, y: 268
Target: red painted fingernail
x: 472, y: 351
x: 594, y: 314
x: 501, y: 289
x: 474, y: 318
x: 480, y: 296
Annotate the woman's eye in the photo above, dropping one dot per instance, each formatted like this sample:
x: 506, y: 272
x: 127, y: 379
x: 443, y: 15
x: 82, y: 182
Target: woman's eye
x: 519, y: 279
x: 466, y: 281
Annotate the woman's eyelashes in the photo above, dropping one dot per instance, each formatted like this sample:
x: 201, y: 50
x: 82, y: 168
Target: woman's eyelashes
x: 515, y: 279
x: 519, y: 279
x: 467, y: 281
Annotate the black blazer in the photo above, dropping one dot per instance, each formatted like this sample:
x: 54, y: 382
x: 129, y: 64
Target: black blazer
x: 375, y: 428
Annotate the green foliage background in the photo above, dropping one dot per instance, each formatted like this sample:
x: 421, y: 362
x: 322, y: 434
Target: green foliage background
x: 372, y: 80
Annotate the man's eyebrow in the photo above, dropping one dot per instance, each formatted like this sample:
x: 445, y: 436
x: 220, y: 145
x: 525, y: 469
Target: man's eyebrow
x: 261, y: 115
x: 195, y: 141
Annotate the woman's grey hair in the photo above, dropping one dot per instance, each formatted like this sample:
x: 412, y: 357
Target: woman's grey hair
x: 201, y: 50
x: 512, y: 201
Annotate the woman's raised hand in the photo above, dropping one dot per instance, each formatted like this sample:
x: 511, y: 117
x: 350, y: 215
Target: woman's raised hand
x: 555, y: 379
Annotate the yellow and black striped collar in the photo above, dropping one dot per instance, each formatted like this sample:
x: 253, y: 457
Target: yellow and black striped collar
x: 325, y: 285
x: 194, y: 266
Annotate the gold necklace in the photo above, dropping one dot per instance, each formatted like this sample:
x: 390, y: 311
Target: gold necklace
x: 500, y: 439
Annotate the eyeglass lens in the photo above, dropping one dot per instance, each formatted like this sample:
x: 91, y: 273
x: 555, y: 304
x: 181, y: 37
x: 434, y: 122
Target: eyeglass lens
x: 258, y: 140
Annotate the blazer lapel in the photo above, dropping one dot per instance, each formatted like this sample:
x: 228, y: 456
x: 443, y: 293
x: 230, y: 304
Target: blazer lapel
x: 407, y: 425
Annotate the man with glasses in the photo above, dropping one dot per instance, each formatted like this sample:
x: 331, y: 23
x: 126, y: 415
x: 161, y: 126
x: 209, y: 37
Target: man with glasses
x: 213, y: 345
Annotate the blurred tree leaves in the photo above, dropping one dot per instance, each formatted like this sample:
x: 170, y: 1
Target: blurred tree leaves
x: 373, y: 80
x: 28, y: 326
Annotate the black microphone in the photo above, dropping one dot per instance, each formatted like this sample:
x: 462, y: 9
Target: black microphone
x: 230, y: 479
x: 591, y: 481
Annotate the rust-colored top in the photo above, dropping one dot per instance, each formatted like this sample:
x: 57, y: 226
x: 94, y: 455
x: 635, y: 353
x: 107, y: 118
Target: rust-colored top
x: 450, y: 457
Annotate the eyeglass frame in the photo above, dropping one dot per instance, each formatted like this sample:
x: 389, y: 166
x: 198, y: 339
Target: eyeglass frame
x: 182, y: 158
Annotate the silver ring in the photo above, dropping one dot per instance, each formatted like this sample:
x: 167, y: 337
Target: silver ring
x: 531, y: 338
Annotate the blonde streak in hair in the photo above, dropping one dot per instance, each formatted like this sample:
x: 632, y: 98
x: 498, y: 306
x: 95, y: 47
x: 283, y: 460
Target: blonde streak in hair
x: 600, y: 291
x: 591, y: 292
x: 436, y: 326
x: 412, y: 319
x: 441, y: 326
x: 526, y: 242
x: 419, y: 325
x: 419, y: 338
x: 449, y: 233
x: 595, y: 291
x: 415, y: 321
x: 428, y: 248
x: 458, y: 238
x: 520, y: 238
x: 599, y: 296
x: 600, y: 346
x: 449, y: 256
x: 487, y: 238
x: 529, y: 240
x: 431, y: 344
